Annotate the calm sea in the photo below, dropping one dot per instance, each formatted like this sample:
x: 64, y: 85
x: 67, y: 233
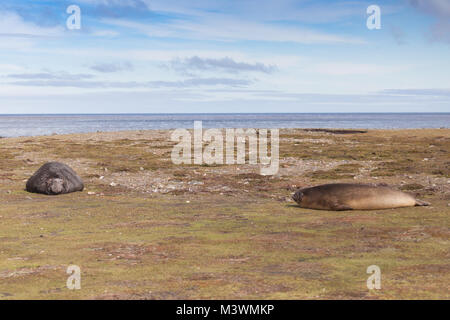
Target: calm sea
x: 32, y: 125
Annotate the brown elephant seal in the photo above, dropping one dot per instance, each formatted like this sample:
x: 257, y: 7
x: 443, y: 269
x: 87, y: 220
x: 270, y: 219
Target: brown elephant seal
x: 54, y: 178
x: 350, y: 196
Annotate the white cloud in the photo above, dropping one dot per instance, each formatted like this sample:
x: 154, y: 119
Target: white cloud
x: 11, y: 24
x: 217, y: 27
x: 112, y: 67
x: 59, y: 76
x: 201, y: 101
x: 349, y: 68
x: 224, y: 64
x: 418, y: 92
x: 15, y: 44
x: 76, y: 81
x: 5, y: 67
x: 105, y: 33
x: 115, y: 3
x: 306, y: 11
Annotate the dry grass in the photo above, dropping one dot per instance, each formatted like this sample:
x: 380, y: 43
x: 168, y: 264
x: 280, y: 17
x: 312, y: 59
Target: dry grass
x: 223, y: 232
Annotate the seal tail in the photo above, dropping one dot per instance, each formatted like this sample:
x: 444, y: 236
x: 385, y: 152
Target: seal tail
x: 421, y: 203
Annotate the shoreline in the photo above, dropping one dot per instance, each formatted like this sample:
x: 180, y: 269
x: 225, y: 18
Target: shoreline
x: 331, y: 130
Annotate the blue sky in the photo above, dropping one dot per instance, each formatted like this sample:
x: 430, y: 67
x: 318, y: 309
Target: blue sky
x: 224, y: 56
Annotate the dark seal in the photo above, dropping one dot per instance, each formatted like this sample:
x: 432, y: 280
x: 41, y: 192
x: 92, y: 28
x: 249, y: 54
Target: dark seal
x: 54, y: 178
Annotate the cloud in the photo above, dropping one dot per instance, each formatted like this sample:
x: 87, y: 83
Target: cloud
x: 112, y: 67
x: 398, y: 34
x: 116, y: 3
x: 200, y: 101
x: 441, y: 31
x: 188, y: 83
x: 196, y: 82
x: 105, y: 33
x: 12, y: 24
x: 440, y: 10
x: 11, y: 67
x: 14, y: 43
x: 207, y: 20
x: 39, y: 13
x: 226, y: 64
x: 50, y: 15
x: 305, y: 11
x: 117, y: 8
x: 351, y: 68
x: 61, y: 76
x: 418, y: 92
x: 220, y: 27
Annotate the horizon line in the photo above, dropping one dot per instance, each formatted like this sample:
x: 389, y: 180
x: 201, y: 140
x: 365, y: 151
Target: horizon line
x: 223, y: 113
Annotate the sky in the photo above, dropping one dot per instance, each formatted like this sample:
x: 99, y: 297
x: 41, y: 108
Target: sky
x: 220, y: 56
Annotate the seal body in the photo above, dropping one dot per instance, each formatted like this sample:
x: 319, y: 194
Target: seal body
x: 54, y: 178
x: 349, y: 196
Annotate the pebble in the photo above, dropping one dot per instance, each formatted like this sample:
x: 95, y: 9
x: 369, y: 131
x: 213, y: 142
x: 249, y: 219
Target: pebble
x: 113, y: 184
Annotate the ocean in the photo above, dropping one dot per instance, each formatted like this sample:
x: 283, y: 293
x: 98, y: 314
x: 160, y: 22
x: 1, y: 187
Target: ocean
x: 47, y: 124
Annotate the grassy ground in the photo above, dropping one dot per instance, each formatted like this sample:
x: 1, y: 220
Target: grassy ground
x: 147, y: 229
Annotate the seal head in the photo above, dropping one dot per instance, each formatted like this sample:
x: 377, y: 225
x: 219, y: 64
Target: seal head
x: 297, y: 197
x: 55, y: 186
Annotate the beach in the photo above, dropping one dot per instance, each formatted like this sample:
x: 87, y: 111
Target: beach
x: 146, y: 228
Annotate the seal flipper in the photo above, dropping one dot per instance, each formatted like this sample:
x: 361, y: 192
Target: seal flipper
x: 340, y: 207
x: 420, y: 203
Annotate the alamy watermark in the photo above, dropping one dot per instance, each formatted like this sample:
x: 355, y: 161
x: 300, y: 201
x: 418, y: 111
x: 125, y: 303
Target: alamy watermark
x: 374, y: 281
x: 74, y: 280
x: 73, y: 22
x: 374, y: 20
x: 234, y: 144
